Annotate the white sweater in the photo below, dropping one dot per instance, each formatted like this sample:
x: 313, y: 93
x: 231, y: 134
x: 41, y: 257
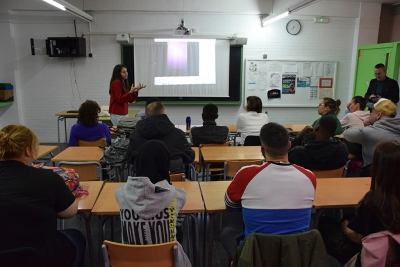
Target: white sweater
x: 355, y: 119
x: 250, y: 123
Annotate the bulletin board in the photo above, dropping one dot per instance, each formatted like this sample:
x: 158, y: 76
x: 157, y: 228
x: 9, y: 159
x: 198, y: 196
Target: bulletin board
x: 290, y: 83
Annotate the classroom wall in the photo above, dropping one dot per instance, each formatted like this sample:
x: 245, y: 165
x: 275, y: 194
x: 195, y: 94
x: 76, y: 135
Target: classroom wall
x: 9, y: 114
x: 47, y: 85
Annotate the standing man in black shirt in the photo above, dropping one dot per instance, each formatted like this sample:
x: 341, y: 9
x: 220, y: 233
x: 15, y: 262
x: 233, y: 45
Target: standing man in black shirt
x: 382, y: 86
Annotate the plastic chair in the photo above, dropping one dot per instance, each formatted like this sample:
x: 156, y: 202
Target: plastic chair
x: 177, y: 177
x: 252, y: 140
x: 232, y: 167
x: 100, y: 142
x: 121, y: 255
x: 22, y: 257
x: 88, y: 171
x: 330, y: 173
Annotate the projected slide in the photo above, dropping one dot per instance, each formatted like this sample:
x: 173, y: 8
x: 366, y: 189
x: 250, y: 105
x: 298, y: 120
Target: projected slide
x: 182, y: 67
x: 188, y: 62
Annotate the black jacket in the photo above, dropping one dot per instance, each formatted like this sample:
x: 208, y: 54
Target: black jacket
x: 210, y: 133
x: 320, y: 155
x: 161, y: 128
x: 390, y: 89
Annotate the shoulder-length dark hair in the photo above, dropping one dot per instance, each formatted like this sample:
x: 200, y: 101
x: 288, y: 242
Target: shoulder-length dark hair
x: 116, y: 75
x: 385, y: 169
x: 332, y: 104
x: 89, y: 113
x: 254, y: 103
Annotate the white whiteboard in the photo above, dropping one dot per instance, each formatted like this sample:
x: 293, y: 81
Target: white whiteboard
x: 299, y: 83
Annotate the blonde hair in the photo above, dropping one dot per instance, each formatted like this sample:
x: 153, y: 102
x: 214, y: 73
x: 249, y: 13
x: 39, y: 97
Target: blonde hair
x: 14, y: 139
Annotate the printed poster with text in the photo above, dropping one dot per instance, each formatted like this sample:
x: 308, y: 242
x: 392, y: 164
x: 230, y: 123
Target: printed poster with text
x: 288, y: 83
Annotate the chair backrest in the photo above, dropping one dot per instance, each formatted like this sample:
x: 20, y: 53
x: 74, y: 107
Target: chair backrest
x: 121, y: 255
x: 304, y: 247
x: 227, y: 143
x: 329, y: 173
x: 232, y: 167
x: 88, y: 171
x: 22, y: 257
x: 177, y: 177
x: 99, y: 142
x: 252, y: 140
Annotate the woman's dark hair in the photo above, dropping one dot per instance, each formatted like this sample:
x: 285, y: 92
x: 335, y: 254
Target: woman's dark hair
x: 385, y: 182
x: 254, y: 103
x: 332, y: 104
x: 116, y: 75
x: 89, y: 113
x: 361, y: 101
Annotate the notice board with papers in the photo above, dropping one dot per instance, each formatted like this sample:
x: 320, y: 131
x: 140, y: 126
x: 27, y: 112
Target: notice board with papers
x: 290, y: 83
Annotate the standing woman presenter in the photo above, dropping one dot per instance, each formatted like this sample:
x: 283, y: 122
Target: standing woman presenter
x: 120, y: 95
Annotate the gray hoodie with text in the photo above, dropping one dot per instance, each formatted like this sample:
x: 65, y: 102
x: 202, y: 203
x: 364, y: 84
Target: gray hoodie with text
x: 149, y: 211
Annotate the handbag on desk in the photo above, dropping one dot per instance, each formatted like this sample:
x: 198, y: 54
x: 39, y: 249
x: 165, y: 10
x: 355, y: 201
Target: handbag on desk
x: 71, y: 178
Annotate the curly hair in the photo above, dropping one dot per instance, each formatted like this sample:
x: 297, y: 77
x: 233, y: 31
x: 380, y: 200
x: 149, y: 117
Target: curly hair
x: 89, y: 113
x: 332, y: 104
x: 15, y: 139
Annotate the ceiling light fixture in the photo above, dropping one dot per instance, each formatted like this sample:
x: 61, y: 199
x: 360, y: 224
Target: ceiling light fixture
x: 65, y: 6
x: 289, y: 11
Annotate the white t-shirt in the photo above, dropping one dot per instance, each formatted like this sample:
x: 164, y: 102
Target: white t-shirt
x: 250, y: 123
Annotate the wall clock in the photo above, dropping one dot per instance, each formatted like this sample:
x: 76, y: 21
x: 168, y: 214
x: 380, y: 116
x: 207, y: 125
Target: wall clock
x: 293, y: 27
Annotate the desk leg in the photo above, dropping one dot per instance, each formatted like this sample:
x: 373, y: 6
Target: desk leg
x: 196, y: 242
x: 89, y: 237
x: 318, y: 214
x: 101, y: 237
x: 208, y: 174
x: 211, y: 239
x: 58, y: 132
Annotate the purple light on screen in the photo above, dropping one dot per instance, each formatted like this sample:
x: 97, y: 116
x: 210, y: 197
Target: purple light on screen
x: 177, y: 55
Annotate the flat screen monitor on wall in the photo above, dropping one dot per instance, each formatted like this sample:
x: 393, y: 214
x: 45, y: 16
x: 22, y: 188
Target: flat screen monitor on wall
x: 190, y: 71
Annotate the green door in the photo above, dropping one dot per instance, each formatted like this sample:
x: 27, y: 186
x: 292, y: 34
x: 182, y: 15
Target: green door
x: 367, y: 59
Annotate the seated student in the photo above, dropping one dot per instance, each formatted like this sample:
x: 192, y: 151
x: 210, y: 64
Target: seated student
x: 323, y: 153
x: 158, y: 126
x: 355, y: 119
x: 149, y: 201
x: 250, y: 123
x: 209, y: 133
x: 88, y: 128
x: 384, y: 126
x: 378, y: 211
x: 327, y: 107
x: 356, y: 116
x: 31, y: 200
x: 276, y: 197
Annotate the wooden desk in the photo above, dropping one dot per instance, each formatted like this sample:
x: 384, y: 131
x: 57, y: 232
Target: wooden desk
x: 85, y: 204
x: 107, y: 205
x: 44, y: 150
x: 64, y: 115
x: 294, y: 128
x: 340, y: 192
x: 79, y: 154
x: 212, y: 154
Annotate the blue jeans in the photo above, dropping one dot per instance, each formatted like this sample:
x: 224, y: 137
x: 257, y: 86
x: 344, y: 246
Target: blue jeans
x: 79, y: 240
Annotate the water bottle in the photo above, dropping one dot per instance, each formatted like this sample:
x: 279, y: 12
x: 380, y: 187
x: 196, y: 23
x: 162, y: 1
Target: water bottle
x: 188, y: 121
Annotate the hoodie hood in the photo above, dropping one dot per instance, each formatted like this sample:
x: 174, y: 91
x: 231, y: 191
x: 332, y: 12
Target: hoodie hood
x: 144, y: 197
x: 155, y: 127
x: 362, y: 115
x: 390, y: 125
x: 322, y: 151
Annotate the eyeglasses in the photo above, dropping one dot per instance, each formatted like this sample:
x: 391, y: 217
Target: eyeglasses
x: 321, y: 105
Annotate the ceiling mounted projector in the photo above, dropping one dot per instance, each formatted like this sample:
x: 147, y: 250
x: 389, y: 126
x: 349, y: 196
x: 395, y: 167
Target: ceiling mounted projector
x: 182, y: 30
